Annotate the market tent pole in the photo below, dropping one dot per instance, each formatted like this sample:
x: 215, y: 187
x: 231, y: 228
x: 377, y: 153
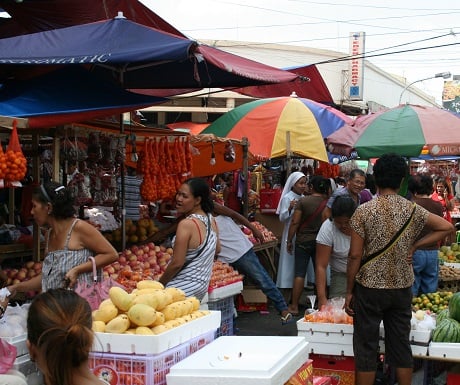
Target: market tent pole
x: 288, y: 153
x: 245, y: 176
x: 36, y: 176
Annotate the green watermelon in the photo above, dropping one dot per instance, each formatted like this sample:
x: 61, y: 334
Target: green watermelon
x: 443, y: 314
x: 448, y: 330
x: 454, y: 306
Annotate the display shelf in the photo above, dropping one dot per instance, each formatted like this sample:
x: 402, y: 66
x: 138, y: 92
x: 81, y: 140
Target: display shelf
x: 266, y: 251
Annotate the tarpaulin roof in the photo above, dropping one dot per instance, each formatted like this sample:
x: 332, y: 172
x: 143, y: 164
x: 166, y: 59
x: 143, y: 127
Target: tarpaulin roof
x: 65, y: 96
x: 309, y: 85
x: 205, y: 67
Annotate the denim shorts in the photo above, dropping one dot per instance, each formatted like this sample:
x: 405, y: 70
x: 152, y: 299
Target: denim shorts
x: 302, y: 254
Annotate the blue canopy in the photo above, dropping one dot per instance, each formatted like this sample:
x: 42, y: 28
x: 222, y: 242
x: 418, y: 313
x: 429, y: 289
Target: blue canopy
x: 68, y: 95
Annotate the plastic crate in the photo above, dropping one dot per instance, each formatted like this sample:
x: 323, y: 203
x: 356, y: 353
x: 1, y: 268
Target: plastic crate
x: 130, y: 369
x: 197, y: 343
x: 226, y: 308
x: 226, y: 327
x: 224, y: 305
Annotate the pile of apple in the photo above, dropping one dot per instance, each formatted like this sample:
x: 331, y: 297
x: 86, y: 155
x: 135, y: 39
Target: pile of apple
x: 138, y: 263
x: 223, y: 274
x: 24, y: 273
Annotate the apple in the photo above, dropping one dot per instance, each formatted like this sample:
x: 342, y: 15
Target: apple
x: 132, y: 257
x: 122, y: 259
x: 170, y: 250
x: 127, y: 252
x: 110, y: 269
x: 246, y: 230
x: 146, y: 265
x: 162, y: 248
x: 146, y: 249
x: 30, y: 264
x: 37, y: 267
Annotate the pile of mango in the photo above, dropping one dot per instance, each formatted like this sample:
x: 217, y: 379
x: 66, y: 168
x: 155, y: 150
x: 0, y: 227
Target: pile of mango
x: 149, y: 309
x: 435, y: 302
x: 450, y: 253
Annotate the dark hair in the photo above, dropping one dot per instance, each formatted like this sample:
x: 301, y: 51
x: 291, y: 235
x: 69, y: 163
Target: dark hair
x: 343, y: 206
x: 199, y: 188
x: 389, y: 171
x: 356, y: 172
x: 420, y: 184
x: 370, y: 184
x: 320, y: 184
x: 59, y: 326
x: 59, y: 196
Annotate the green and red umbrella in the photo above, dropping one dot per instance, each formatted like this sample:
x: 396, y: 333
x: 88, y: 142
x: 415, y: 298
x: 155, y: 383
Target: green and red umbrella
x: 267, y: 122
x: 406, y: 130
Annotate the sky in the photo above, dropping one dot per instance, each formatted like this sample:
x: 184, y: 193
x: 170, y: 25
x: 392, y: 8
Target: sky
x: 411, y: 39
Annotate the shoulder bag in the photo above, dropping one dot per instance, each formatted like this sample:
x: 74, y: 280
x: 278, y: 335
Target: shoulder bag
x: 318, y: 210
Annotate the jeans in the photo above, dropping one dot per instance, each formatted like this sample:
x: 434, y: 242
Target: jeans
x: 250, y: 266
x: 426, y: 271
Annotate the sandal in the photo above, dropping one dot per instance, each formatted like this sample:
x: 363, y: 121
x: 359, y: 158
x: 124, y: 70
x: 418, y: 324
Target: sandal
x: 287, y: 319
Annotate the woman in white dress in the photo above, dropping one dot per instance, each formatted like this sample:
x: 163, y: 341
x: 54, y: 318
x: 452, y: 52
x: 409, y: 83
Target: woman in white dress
x: 293, y: 189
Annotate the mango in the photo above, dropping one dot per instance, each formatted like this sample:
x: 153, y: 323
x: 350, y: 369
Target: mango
x: 149, y: 284
x: 105, y: 314
x: 119, y: 324
x: 98, y: 326
x: 120, y: 298
x: 141, y: 314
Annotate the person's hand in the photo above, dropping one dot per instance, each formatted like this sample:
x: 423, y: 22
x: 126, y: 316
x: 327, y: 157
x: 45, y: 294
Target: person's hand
x: 322, y: 301
x: 348, y: 306
x: 71, y: 278
x: 13, y: 290
x: 258, y: 235
x: 409, y: 257
x: 4, y: 302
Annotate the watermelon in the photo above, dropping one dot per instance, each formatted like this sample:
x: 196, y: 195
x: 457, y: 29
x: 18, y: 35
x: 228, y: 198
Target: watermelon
x: 448, y: 330
x: 454, y: 306
x: 443, y: 314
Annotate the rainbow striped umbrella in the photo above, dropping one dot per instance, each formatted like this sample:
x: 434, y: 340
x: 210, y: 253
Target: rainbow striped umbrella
x: 267, y: 122
x: 408, y: 130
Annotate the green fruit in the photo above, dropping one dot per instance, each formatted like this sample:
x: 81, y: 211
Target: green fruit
x: 454, y: 306
x: 448, y: 330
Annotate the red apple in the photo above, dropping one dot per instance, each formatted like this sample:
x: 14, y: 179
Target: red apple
x: 122, y: 259
x: 30, y: 264
x: 162, y: 248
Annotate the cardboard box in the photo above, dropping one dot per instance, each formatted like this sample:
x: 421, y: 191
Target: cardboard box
x: 340, y: 369
x: 303, y: 375
x: 251, y: 300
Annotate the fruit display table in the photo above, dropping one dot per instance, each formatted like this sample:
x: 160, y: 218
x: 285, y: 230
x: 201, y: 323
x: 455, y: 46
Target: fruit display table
x: 266, y: 251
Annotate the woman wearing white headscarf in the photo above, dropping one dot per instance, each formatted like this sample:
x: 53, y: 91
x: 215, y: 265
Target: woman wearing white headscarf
x: 293, y: 189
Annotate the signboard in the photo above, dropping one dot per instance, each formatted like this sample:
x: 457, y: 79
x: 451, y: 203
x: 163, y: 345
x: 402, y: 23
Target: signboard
x: 356, y: 66
x: 451, y: 95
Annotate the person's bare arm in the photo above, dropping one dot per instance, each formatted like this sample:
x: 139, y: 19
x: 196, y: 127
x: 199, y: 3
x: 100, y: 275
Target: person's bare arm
x: 88, y: 237
x: 354, y: 262
x: 237, y: 217
x: 323, y: 255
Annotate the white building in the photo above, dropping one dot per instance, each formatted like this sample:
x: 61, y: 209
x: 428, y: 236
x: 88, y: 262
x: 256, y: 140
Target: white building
x: 380, y: 89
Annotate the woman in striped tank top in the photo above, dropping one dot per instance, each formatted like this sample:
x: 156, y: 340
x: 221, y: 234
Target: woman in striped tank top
x: 196, y: 241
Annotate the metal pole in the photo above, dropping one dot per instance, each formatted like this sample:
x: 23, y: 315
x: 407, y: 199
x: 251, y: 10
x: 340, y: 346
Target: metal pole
x: 245, y: 144
x: 288, y: 154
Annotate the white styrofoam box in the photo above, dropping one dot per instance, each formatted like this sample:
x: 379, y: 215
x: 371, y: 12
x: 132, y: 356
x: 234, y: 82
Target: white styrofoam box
x: 19, y: 342
x: 417, y: 350
x: 444, y: 350
x: 331, y: 348
x: 341, y: 334
x: 452, y: 264
x: 421, y: 336
x: 225, y: 291
x: 148, y: 344
x: 242, y: 360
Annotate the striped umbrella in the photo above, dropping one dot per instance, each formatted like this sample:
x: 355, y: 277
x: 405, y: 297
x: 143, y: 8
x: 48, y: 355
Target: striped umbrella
x: 274, y: 124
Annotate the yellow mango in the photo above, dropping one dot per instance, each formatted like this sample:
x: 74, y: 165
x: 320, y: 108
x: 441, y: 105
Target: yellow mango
x: 165, y: 298
x: 106, y: 313
x: 149, y: 284
x: 147, y: 299
x: 160, y: 329
x: 177, y: 294
x: 160, y: 319
x: 98, y: 326
x: 195, y: 302
x: 120, y: 298
x: 144, y: 330
x: 141, y: 314
x: 105, y: 302
x: 119, y: 324
x: 170, y: 312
